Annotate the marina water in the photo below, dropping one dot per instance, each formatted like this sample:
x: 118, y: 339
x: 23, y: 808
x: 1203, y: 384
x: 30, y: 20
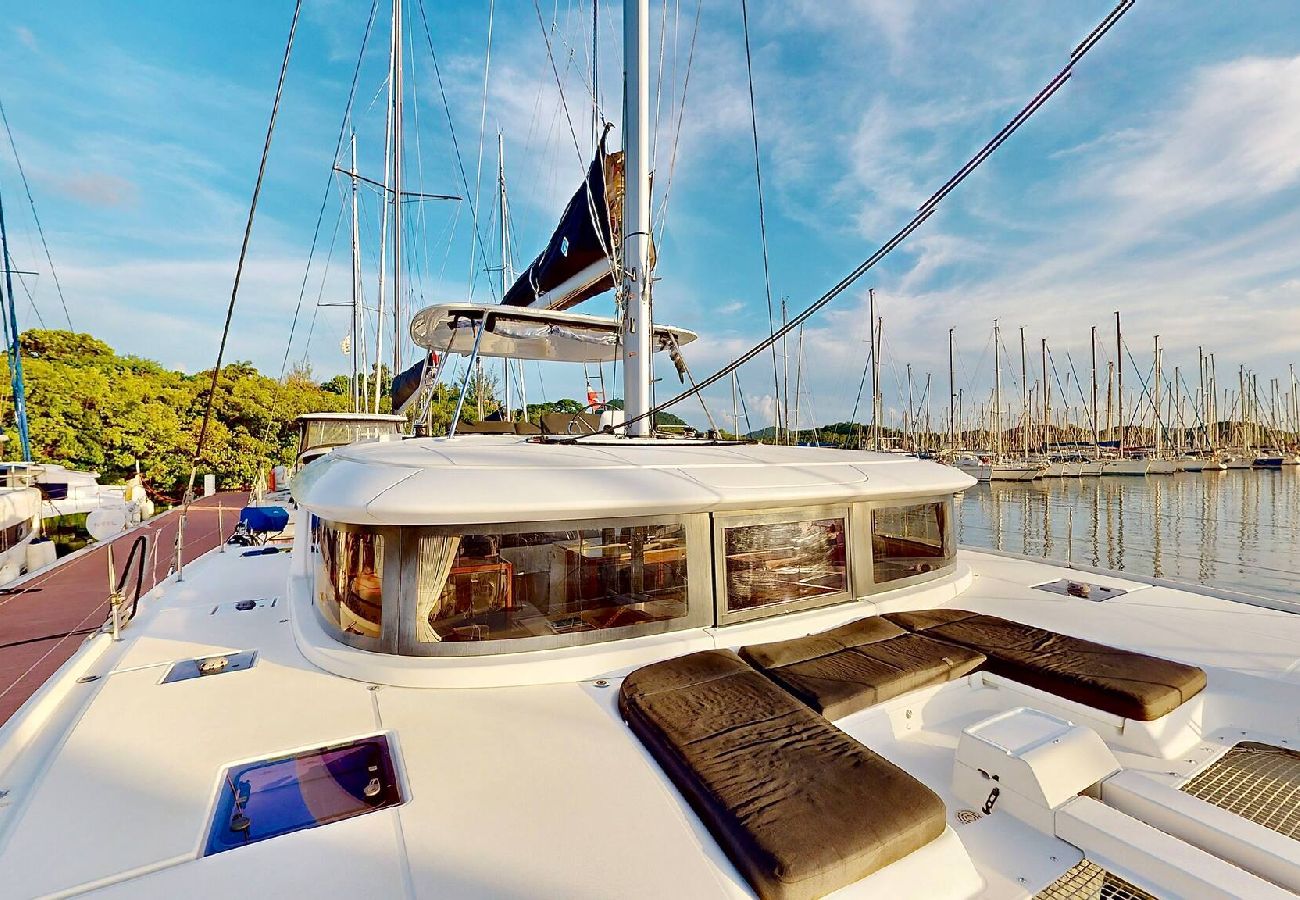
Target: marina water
x: 1235, y: 529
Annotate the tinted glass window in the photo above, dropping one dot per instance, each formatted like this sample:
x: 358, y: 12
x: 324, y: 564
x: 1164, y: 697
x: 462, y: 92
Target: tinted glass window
x: 909, y: 540
x: 785, y: 561
x: 478, y: 587
x: 349, y: 579
x: 265, y: 799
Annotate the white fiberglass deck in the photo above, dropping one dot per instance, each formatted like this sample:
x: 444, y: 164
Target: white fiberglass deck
x: 539, y: 789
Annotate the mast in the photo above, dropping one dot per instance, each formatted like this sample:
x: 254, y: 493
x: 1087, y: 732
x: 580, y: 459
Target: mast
x: 637, y: 325
x: 357, y: 398
x: 1157, y: 436
x: 785, y: 385
x: 505, y: 264
x: 15, y: 356
x: 1024, y: 397
x: 383, y: 222
x: 1203, y: 412
x: 1096, y: 434
x: 952, y: 396
x: 875, y: 370
x: 907, y: 422
x: 997, y: 392
x: 397, y: 186
x: 1047, y: 404
x: 1119, y: 378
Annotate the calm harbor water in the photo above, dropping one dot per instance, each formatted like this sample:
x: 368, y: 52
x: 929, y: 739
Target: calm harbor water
x: 1236, y: 529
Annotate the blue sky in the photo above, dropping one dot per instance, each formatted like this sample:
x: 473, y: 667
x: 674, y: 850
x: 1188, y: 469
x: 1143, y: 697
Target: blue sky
x: 1162, y: 180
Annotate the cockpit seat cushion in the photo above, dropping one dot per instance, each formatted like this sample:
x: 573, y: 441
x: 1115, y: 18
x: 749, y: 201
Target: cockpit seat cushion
x: 1123, y: 682
x: 850, y: 668
x: 799, y: 807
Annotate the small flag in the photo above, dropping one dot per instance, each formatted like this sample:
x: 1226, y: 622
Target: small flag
x: 346, y: 344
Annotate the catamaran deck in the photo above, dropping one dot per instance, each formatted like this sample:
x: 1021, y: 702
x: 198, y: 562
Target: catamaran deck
x: 45, y: 617
x: 541, y: 789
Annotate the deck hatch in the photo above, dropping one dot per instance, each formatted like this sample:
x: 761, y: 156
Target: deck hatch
x: 1259, y: 782
x: 208, y: 666
x: 1088, y: 881
x: 1084, y: 590
x: 271, y: 797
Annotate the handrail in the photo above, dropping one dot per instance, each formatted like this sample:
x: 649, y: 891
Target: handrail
x: 140, y: 543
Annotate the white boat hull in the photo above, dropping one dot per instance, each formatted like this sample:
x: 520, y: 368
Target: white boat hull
x: 1014, y: 473
x: 1125, y: 467
x: 1162, y: 467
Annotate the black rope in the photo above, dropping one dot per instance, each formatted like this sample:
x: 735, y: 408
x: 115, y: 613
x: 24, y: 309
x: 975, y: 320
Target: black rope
x: 923, y: 213
x: 762, y: 218
x: 243, y: 250
x: 37, y: 219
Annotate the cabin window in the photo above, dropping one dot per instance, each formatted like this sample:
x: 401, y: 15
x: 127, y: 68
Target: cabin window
x: 908, y: 541
x: 350, y: 579
x: 526, y: 584
x: 13, y: 535
x: 789, y: 561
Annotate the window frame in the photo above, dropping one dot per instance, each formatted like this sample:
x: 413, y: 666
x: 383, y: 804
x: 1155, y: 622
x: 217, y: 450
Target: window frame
x: 866, y: 582
x: 401, y: 555
x: 387, y: 614
x: 768, y: 516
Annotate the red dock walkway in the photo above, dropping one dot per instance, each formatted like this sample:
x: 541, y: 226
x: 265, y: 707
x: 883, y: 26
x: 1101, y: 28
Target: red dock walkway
x: 45, y: 618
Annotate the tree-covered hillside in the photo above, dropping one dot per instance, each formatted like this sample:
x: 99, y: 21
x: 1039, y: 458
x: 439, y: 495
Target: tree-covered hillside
x: 90, y: 408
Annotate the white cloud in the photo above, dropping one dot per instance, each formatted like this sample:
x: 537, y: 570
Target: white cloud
x: 26, y: 37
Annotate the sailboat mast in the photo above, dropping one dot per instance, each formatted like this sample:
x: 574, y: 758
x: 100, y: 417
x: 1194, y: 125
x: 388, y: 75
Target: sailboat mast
x: 1119, y: 381
x: 1155, y: 403
x: 505, y: 265
x: 997, y: 392
x: 637, y: 326
x: 1096, y: 434
x: 1047, y: 404
x: 952, y: 395
x: 875, y: 370
x: 397, y: 186
x: 1024, y: 397
x: 355, y: 347
x: 15, y: 355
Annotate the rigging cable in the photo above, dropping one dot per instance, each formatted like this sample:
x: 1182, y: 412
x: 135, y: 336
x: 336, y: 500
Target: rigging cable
x: 243, y: 252
x: 451, y: 128
x: 482, y: 127
x: 320, y: 217
x: 762, y: 220
x: 923, y: 213
x: 35, y: 218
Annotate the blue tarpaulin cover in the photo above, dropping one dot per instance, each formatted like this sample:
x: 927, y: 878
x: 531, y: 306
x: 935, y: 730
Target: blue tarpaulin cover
x: 268, y: 519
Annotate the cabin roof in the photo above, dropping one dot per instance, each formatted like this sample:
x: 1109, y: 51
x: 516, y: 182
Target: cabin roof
x: 481, y: 478
x: 349, y: 417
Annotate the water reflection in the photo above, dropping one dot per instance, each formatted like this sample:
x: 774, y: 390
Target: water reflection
x: 1235, y: 529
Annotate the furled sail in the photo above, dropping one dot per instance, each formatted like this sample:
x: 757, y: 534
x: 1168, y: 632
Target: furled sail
x: 576, y: 262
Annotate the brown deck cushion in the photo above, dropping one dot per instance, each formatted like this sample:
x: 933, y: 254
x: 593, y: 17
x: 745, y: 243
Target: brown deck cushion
x: 800, y: 807
x: 850, y: 668
x: 1122, y: 682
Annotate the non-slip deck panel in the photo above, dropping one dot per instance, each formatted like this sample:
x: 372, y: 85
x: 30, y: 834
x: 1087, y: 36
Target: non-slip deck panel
x: 1259, y: 782
x: 800, y: 807
x: 850, y: 668
x: 1128, y: 684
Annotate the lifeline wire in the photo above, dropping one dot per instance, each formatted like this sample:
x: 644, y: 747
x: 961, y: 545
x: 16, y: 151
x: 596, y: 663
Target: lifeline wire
x: 243, y: 250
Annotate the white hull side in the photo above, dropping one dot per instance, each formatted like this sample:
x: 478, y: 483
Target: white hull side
x: 1125, y: 467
